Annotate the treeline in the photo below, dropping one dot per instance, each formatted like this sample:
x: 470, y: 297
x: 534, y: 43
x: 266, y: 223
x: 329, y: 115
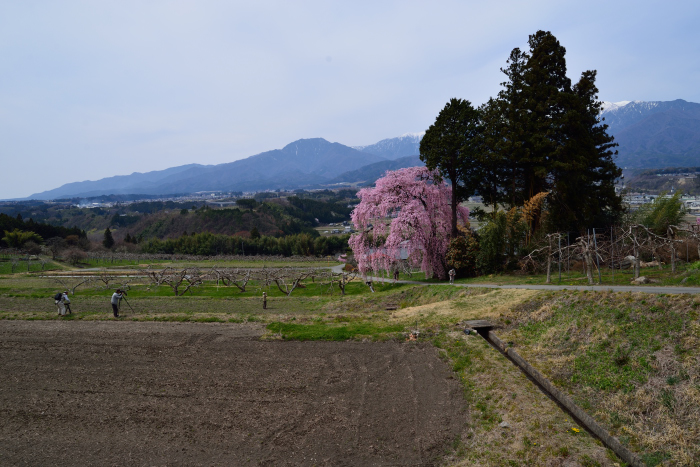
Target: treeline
x: 313, y: 211
x: 207, y: 244
x: 45, y: 231
x: 540, y: 136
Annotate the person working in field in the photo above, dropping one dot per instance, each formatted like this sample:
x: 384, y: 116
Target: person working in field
x: 66, y: 302
x: 116, y: 299
x: 58, y: 299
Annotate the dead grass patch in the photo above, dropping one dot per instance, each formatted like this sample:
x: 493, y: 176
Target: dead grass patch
x: 513, y: 423
x: 488, y: 305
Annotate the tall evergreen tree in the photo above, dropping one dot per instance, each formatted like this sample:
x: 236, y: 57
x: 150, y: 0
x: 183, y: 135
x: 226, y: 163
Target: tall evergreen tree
x: 583, y: 188
x: 543, y: 135
x: 452, y: 146
x: 108, y: 240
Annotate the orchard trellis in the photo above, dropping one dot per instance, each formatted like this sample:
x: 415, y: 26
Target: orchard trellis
x: 287, y: 279
x: 617, y: 248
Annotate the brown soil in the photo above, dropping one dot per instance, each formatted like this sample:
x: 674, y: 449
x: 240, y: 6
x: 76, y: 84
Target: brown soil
x: 128, y: 393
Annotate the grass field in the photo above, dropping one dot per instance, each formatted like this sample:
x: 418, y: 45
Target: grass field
x: 687, y: 274
x: 27, y: 266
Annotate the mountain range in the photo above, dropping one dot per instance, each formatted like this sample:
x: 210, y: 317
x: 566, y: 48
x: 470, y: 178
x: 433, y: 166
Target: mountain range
x: 306, y: 163
x: 650, y: 135
x: 655, y: 134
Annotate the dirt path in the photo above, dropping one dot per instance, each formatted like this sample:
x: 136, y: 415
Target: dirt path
x: 130, y: 393
x: 665, y: 289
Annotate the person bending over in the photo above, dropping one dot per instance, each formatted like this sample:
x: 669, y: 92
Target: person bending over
x: 116, y: 300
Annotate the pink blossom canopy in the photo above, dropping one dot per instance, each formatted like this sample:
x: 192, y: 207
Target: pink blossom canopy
x: 406, y: 216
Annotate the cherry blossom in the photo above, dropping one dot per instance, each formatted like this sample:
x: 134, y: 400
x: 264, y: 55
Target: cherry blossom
x: 405, y: 216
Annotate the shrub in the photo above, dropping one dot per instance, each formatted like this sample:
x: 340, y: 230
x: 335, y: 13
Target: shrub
x: 462, y: 254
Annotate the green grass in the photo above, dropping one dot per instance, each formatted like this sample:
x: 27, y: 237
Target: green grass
x: 628, y: 359
x: 334, y: 332
x: 35, y: 287
x: 21, y: 267
x: 254, y: 262
x: 619, y: 355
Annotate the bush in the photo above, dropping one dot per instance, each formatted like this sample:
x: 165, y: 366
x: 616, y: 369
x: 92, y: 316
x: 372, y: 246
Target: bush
x: 462, y: 254
x: 74, y: 256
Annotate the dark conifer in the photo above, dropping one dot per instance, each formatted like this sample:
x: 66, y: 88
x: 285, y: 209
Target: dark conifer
x: 108, y: 240
x: 452, y: 146
x: 542, y: 134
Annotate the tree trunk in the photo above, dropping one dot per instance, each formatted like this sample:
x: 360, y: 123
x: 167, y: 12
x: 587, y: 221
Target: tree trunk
x: 549, y: 262
x: 669, y: 234
x: 455, y: 232
x: 589, y: 265
x: 636, y: 255
x: 673, y: 259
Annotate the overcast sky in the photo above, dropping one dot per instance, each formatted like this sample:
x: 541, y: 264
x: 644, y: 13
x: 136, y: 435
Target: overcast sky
x: 100, y: 88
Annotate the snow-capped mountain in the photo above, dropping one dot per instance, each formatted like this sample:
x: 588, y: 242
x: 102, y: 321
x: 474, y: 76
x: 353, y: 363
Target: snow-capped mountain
x: 395, y: 148
x: 654, y: 134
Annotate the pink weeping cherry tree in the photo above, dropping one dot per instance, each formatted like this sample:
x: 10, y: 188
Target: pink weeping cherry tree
x: 407, y: 212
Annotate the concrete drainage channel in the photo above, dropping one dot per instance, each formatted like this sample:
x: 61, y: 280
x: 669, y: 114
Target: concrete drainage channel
x: 484, y: 329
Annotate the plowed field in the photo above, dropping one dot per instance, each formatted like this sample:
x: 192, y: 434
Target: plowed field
x: 135, y: 393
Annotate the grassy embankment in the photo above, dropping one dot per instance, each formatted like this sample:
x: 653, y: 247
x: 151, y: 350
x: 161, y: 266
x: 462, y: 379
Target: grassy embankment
x: 630, y: 360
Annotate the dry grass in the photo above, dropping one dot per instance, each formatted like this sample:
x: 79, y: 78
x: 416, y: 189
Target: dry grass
x: 537, y: 431
x: 468, y: 305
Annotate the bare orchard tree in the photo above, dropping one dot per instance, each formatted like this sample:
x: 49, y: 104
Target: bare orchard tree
x: 615, y: 250
x: 288, y: 279
x: 180, y: 280
x: 72, y: 283
x: 157, y: 277
x: 105, y: 277
x: 55, y: 245
x: 340, y: 278
x: 265, y: 276
x: 231, y: 276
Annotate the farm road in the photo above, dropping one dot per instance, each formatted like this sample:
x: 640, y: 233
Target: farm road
x: 590, y: 288
x: 138, y: 393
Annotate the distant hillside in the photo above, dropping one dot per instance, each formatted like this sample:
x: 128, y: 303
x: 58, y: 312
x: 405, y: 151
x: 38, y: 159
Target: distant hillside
x: 157, y: 219
x: 655, y: 134
x: 684, y: 179
x: 395, y: 148
x: 369, y: 174
x: 305, y: 162
x: 145, y: 183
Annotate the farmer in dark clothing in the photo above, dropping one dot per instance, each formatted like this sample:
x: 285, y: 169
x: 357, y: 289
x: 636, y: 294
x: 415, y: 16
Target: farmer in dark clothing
x: 116, y: 298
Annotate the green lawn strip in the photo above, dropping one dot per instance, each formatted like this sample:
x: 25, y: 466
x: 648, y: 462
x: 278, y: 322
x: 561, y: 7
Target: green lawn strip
x: 109, y: 263
x: 21, y: 267
x: 35, y: 287
x: 335, y: 332
x: 685, y: 275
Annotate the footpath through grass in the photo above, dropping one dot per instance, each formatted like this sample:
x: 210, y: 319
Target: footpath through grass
x: 687, y: 274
